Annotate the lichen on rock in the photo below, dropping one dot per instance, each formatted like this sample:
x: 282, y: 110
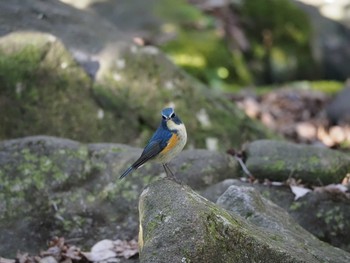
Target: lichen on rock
x: 178, y: 224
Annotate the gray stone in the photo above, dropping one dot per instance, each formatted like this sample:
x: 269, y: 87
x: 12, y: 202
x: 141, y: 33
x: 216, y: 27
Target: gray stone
x: 278, y: 225
x: 324, y: 213
x: 278, y: 161
x: 59, y: 187
x: 178, y: 225
x: 338, y: 110
x: 123, y: 101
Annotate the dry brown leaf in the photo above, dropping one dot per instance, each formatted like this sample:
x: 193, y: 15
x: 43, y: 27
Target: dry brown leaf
x: 107, y: 250
x: 72, y: 252
x: 126, y: 249
x: 101, y: 251
x: 346, y: 180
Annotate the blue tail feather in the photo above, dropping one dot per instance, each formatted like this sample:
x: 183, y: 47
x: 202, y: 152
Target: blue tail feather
x: 129, y: 170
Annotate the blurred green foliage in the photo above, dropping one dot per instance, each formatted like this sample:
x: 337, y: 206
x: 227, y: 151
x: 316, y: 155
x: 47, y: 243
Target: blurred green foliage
x: 278, y: 32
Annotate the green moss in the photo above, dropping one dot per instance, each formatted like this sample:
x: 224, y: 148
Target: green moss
x: 163, y: 83
x: 266, y: 194
x: 278, y: 165
x: 39, y: 75
x: 327, y: 86
x: 36, y: 170
x: 185, y: 166
x: 314, y: 161
x: 295, y: 206
x: 17, y: 68
x: 334, y: 218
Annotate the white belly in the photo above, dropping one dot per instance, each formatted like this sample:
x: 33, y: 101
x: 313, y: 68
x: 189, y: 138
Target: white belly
x: 182, y: 139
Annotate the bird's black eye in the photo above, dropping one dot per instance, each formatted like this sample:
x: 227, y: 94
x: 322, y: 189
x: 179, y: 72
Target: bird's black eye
x: 172, y: 115
x: 164, y: 118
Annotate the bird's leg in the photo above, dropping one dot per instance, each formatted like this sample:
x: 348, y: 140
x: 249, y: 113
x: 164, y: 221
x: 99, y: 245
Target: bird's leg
x: 167, y: 167
x: 168, y: 171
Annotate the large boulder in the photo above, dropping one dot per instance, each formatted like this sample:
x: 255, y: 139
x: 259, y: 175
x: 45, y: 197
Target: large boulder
x: 178, y: 225
x: 121, y: 103
x: 324, y: 212
x: 89, y: 37
x: 58, y: 187
x: 44, y: 91
x: 278, y: 160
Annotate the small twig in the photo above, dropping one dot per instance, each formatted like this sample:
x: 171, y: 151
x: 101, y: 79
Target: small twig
x: 244, y: 167
x: 238, y: 157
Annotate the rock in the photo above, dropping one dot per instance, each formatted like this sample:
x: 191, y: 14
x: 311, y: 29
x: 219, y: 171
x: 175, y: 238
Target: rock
x: 213, y: 192
x: 116, y: 106
x: 63, y: 188
x: 201, y: 168
x: 278, y: 225
x: 40, y: 76
x: 338, y: 110
x: 323, y: 213
x: 89, y: 37
x: 132, y: 89
x: 330, y: 44
x: 58, y: 187
x: 278, y: 161
x: 178, y: 225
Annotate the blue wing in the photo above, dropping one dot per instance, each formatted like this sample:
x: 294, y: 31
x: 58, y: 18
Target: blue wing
x: 155, y: 145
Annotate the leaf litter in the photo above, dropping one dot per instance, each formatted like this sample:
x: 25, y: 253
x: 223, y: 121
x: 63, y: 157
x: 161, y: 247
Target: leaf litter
x: 59, y: 251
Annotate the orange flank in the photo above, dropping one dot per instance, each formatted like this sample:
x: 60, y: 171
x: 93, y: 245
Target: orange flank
x: 171, y: 144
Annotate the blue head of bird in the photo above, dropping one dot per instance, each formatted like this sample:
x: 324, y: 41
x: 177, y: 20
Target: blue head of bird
x: 170, y: 119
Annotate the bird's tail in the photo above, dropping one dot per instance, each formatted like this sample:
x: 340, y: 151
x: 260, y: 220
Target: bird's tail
x: 129, y: 170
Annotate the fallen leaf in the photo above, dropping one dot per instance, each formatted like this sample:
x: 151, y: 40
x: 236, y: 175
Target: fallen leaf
x: 332, y: 188
x: 299, y: 191
x: 101, y: 251
x: 126, y: 249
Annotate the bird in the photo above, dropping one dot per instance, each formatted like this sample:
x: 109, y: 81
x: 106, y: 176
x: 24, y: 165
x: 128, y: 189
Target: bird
x: 165, y: 144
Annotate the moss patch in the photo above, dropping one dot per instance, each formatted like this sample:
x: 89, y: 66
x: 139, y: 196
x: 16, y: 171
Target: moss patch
x: 44, y: 91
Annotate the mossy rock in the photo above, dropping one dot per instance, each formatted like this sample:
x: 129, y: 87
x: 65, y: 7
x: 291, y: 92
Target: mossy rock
x: 143, y: 80
x: 178, y: 225
x: 44, y: 91
x: 323, y: 213
x: 38, y: 75
x: 278, y: 160
x: 58, y: 187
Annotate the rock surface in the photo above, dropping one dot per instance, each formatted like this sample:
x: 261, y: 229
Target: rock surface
x: 324, y: 212
x: 123, y: 101
x: 52, y: 186
x: 39, y: 75
x: 278, y: 161
x: 178, y: 225
x: 330, y: 45
x: 338, y: 110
